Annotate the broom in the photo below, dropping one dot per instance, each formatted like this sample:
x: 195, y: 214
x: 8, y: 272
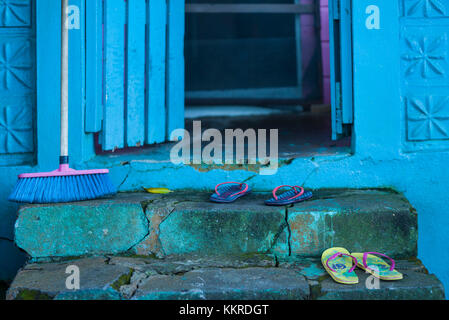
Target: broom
x: 63, y: 184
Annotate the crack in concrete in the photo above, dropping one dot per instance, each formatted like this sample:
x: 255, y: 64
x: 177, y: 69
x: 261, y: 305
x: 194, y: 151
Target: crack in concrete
x: 312, y: 171
x: 107, y: 260
x: 126, y: 177
x: 250, y: 178
x: 289, y: 233
x: 284, y: 227
x: 314, y: 289
x: 137, y: 283
x: 144, y: 205
x: 276, y: 261
x: 7, y: 239
x: 153, y: 228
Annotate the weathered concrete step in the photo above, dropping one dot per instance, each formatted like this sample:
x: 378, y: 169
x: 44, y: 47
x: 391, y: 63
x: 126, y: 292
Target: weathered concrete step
x: 186, y: 222
x: 257, y: 277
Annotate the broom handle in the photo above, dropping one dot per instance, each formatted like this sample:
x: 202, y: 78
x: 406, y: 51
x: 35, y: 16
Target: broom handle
x: 64, y: 84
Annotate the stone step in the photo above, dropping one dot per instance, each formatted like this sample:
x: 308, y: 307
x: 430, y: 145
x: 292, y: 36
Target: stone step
x: 187, y: 223
x: 255, y: 277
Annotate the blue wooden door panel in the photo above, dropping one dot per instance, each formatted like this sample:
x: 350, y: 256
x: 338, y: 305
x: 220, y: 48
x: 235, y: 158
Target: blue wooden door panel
x: 299, y: 54
x: 94, y: 65
x: 113, y: 135
x: 157, y: 13
x: 48, y: 55
x: 77, y: 74
x: 17, y: 82
x: 346, y: 61
x: 135, y: 81
x: 175, y: 66
x: 335, y: 88
x: 340, y: 42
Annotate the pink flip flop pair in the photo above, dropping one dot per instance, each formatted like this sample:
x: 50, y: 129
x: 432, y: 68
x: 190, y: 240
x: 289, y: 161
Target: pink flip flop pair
x: 228, y: 192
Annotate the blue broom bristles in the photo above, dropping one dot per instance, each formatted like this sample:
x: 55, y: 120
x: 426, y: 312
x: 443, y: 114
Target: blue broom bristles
x: 62, y: 189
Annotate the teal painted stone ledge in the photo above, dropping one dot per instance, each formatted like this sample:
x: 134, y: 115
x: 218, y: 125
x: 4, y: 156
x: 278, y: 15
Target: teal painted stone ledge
x: 189, y: 223
x: 186, y: 222
x: 84, y: 228
x: 360, y: 220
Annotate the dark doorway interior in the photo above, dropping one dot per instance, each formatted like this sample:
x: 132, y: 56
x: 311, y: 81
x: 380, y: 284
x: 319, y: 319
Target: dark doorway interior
x: 245, y: 69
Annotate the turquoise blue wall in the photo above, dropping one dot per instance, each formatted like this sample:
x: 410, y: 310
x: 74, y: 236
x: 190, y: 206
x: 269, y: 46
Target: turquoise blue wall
x: 384, y: 153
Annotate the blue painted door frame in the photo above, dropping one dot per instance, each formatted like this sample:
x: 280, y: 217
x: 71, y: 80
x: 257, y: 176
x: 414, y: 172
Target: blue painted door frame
x: 137, y: 96
x: 120, y: 107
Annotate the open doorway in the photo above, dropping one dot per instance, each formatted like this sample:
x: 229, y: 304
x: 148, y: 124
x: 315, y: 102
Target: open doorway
x: 264, y: 64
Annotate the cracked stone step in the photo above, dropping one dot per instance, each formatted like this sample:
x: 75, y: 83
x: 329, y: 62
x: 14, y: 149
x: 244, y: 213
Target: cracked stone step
x: 226, y: 284
x: 192, y: 277
x: 187, y: 223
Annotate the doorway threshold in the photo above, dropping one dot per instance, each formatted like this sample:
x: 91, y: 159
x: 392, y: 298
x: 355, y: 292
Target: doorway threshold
x: 302, y: 133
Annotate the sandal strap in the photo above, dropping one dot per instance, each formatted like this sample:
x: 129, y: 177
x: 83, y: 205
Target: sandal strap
x: 297, y: 189
x: 231, y: 182
x: 365, y: 256
x: 339, y: 254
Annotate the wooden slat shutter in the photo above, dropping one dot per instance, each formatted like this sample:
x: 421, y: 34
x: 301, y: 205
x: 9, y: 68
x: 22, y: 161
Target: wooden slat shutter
x: 142, y: 71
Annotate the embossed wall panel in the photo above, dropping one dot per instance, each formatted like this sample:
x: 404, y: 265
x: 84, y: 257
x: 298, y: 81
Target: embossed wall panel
x: 15, y: 13
x: 425, y: 56
x: 16, y: 64
x: 16, y: 122
x: 428, y: 117
x: 17, y: 82
x: 425, y: 73
x: 425, y: 8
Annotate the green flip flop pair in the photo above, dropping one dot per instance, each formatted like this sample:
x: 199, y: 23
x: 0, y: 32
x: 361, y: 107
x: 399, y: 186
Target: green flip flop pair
x: 340, y: 265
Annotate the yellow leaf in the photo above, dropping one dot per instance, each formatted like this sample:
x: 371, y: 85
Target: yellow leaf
x: 158, y: 190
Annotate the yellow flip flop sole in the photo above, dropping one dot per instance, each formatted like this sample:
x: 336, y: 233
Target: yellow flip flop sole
x: 377, y: 266
x: 339, y: 265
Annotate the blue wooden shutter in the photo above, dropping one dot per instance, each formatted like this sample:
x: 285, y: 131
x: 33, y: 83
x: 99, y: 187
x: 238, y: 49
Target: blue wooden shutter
x: 94, y: 65
x: 139, y: 97
x: 340, y: 15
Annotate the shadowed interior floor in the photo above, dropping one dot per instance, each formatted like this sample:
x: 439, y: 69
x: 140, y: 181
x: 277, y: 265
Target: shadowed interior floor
x: 301, y: 134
